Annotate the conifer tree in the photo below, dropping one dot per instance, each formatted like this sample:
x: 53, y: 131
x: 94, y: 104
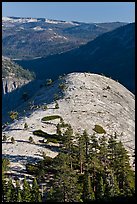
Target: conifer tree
x: 58, y: 129
x: 88, y: 194
x: 100, y: 188
x: 68, y: 143
x: 123, y: 172
x: 18, y: 192
x: 10, y: 192
x: 65, y: 187
x: 81, y: 145
x: 36, y: 197
x: 19, y: 198
x: 26, y: 192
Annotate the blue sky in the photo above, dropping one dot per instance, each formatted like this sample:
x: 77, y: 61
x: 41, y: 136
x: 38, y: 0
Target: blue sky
x: 73, y: 11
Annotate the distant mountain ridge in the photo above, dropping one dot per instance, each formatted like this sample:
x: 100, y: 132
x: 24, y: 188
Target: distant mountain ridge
x: 112, y: 53
x: 49, y: 36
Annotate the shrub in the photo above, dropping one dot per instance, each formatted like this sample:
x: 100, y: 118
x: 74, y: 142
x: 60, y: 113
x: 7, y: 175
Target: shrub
x: 12, y: 140
x: 13, y: 115
x: 4, y: 138
x: 5, y: 164
x: 50, y: 117
x: 60, y: 77
x: 49, y: 82
x: 99, y: 129
x: 54, y: 140
x: 31, y: 139
x: 40, y: 133
x: 56, y: 97
x: 56, y: 105
x: 62, y: 86
x: 44, y: 107
x: 25, y: 126
x: 58, y: 129
x: 31, y: 168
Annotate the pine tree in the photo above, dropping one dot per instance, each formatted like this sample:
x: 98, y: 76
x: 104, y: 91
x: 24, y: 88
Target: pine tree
x: 58, y: 129
x: 10, y: 192
x: 65, y: 188
x: 26, y: 192
x: 5, y: 167
x: 123, y: 171
x: 19, y: 198
x: 119, y: 162
x: 100, y: 188
x: 103, y: 150
x: 18, y: 192
x: 94, y: 143
x: 81, y: 145
x: 88, y: 194
x: 36, y: 197
x: 68, y: 143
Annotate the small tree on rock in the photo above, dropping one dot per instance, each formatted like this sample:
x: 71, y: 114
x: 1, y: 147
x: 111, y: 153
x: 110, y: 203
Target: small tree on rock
x: 12, y: 140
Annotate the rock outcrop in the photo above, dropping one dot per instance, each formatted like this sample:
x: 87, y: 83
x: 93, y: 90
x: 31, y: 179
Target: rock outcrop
x: 84, y: 100
x: 13, y: 76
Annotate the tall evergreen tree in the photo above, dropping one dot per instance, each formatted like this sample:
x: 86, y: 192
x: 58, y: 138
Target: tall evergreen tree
x: 18, y: 197
x: 68, y: 143
x: 100, y: 189
x: 88, y: 193
x: 36, y: 197
x: 26, y: 192
x: 10, y: 192
x: 65, y: 187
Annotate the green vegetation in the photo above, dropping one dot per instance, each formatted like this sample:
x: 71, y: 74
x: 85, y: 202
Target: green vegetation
x: 44, y: 107
x: 49, y: 82
x: 4, y: 138
x: 93, y: 170
x: 89, y: 169
x: 12, y: 140
x: 50, y: 137
x: 40, y: 133
x: 13, y: 115
x: 13, y: 193
x: 56, y: 96
x: 56, y: 105
x: 25, y: 126
x: 51, y: 117
x: 98, y: 129
x: 8, y: 67
x: 31, y: 140
x: 62, y: 86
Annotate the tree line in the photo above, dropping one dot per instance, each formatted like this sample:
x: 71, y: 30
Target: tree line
x: 88, y: 170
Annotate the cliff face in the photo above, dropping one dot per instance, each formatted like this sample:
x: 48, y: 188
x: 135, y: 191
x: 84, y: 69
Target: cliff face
x: 84, y: 100
x: 9, y: 84
x: 13, y: 76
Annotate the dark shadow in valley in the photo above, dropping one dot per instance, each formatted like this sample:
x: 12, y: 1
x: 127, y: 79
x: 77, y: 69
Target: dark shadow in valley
x: 13, y: 99
x: 112, y: 54
x: 16, y: 102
